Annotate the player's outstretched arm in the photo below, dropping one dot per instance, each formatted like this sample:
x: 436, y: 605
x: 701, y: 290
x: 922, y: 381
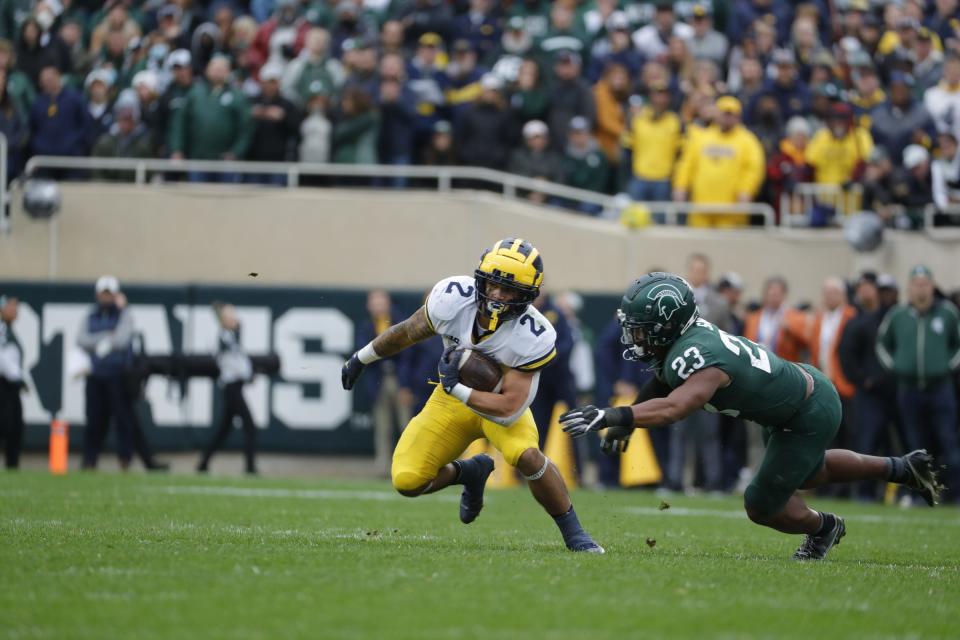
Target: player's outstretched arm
x: 695, y: 392
x: 404, y: 334
x: 616, y: 439
x: 690, y: 396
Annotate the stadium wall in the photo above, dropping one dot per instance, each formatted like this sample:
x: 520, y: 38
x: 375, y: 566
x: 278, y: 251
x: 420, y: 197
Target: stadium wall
x: 404, y: 240
x: 301, y: 409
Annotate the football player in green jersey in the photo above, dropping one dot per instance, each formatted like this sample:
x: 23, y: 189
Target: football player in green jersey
x: 700, y: 366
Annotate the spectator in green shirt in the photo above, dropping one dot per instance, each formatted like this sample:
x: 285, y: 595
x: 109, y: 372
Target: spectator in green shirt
x: 584, y: 165
x: 919, y: 342
x: 355, y: 133
x: 19, y: 87
x: 213, y: 123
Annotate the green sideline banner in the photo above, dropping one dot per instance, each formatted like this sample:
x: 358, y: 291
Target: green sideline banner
x: 302, y: 409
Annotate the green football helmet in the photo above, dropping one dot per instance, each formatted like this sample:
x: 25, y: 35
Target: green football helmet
x: 655, y: 311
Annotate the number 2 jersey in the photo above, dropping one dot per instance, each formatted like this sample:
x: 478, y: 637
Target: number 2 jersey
x: 525, y: 343
x: 763, y: 387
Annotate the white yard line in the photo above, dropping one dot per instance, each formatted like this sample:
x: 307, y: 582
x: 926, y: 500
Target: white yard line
x: 305, y: 494
x: 738, y: 515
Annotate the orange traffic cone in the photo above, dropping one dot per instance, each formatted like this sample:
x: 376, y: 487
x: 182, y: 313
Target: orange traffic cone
x: 59, y: 446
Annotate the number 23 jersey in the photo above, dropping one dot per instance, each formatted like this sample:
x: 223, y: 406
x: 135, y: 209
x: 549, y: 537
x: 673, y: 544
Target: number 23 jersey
x: 763, y: 387
x: 525, y: 343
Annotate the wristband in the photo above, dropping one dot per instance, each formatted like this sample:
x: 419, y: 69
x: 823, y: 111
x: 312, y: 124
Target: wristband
x: 461, y: 392
x: 619, y: 416
x: 367, y: 354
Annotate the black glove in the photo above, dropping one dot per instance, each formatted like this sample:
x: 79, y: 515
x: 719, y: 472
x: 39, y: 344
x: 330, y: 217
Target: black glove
x: 449, y: 369
x: 615, y: 440
x: 352, y: 369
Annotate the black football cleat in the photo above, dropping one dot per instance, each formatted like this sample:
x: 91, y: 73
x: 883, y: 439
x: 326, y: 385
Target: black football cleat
x: 816, y: 547
x: 471, y: 500
x: 921, y: 476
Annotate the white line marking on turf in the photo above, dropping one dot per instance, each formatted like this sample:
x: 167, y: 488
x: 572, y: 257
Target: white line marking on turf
x: 738, y: 515
x: 308, y: 494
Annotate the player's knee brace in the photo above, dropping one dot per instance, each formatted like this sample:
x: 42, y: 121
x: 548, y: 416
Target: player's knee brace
x: 543, y: 470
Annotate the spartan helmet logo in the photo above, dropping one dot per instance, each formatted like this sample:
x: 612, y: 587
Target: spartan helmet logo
x: 668, y: 299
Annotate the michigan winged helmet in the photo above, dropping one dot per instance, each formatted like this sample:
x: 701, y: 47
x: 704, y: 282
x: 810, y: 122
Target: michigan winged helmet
x: 515, y: 264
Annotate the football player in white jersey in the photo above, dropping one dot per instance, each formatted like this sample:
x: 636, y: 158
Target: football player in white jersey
x: 491, y: 313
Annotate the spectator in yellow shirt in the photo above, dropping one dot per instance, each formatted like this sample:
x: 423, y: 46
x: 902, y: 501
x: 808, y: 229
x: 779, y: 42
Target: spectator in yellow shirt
x: 905, y: 36
x: 837, y: 155
x: 654, y: 139
x: 722, y: 164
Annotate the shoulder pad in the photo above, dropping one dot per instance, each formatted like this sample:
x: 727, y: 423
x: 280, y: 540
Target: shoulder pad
x: 448, y: 297
x: 536, y: 341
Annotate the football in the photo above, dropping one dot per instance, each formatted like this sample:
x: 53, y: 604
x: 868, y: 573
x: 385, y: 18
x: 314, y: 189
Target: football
x: 479, y: 371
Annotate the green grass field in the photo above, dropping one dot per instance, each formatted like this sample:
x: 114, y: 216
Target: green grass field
x: 109, y: 556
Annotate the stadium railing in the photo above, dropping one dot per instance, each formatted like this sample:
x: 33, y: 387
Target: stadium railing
x: 796, y: 204
x: 445, y: 178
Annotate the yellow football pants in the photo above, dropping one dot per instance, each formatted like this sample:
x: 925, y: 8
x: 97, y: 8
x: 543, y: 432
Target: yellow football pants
x: 441, y: 432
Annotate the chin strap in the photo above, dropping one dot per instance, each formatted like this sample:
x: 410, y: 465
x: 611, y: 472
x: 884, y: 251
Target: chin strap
x: 494, y: 318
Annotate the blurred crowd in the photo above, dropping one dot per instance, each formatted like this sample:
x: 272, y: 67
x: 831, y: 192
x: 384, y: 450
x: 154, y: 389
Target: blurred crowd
x: 718, y: 101
x: 895, y: 363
